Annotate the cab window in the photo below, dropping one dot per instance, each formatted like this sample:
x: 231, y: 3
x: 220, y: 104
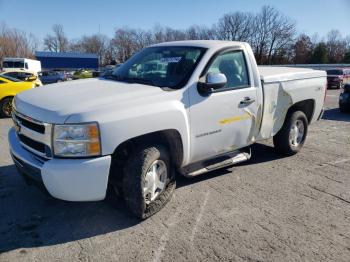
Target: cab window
x: 7, y: 64
x: 233, y: 65
x: 18, y: 64
x: 12, y: 74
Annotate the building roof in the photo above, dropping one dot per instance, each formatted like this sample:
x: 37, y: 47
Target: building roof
x: 65, y: 54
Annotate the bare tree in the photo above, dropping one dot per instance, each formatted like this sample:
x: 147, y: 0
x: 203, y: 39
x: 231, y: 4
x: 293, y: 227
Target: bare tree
x: 58, y: 42
x: 236, y: 26
x: 142, y: 38
x: 110, y: 54
x: 274, y: 32
x: 336, y: 46
x: 16, y: 43
x: 270, y: 33
x: 303, y: 48
x: 196, y: 32
x: 95, y: 44
x: 124, y: 43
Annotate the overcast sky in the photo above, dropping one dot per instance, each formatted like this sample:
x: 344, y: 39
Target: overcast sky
x: 81, y: 17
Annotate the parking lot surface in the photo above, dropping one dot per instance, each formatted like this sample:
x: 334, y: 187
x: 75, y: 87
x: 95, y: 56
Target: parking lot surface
x: 268, y: 209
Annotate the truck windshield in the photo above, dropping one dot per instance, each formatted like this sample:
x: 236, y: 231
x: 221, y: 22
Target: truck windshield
x: 334, y: 72
x: 163, y: 66
x: 12, y: 64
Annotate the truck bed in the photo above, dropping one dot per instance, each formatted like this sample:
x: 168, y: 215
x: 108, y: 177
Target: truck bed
x: 287, y: 86
x: 271, y: 74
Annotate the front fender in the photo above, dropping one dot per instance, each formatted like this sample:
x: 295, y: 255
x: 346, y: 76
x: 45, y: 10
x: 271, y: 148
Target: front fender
x: 118, y: 127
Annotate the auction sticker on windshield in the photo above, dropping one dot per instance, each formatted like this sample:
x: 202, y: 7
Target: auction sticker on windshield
x: 175, y: 59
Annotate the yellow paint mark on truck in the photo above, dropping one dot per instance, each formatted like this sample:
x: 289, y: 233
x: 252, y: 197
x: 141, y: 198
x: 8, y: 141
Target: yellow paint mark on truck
x: 234, y: 119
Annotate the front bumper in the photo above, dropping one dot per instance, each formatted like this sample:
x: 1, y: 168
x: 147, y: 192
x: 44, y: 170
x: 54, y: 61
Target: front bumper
x: 66, y: 179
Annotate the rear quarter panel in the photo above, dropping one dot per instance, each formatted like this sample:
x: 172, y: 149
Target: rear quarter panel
x: 280, y: 96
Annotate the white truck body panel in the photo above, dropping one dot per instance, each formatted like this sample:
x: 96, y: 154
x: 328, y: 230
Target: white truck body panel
x: 140, y: 109
x: 270, y: 74
x: 30, y: 65
x: 68, y: 179
x: 208, y: 125
x: 285, y: 86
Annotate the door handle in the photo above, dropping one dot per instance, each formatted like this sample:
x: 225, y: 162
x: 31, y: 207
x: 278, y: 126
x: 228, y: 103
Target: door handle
x: 247, y: 100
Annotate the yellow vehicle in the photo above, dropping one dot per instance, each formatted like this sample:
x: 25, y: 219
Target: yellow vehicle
x: 82, y: 73
x: 24, y: 75
x: 9, y: 87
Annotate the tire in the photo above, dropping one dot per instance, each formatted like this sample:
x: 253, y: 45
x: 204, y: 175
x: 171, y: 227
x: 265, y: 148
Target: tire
x: 6, y: 107
x: 343, y: 109
x: 284, y: 142
x: 137, y: 176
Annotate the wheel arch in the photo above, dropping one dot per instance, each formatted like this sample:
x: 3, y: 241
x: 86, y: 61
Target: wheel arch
x: 7, y: 96
x: 170, y: 138
x: 2, y: 114
x: 306, y: 106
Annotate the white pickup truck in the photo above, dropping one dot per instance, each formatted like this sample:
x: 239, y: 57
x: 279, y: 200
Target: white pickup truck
x: 185, y: 107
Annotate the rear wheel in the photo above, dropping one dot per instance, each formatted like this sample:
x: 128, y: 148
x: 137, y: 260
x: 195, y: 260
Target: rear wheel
x: 6, y: 107
x: 148, y: 181
x: 290, y: 139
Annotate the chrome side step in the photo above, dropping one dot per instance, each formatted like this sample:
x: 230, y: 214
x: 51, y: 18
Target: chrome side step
x: 217, y: 163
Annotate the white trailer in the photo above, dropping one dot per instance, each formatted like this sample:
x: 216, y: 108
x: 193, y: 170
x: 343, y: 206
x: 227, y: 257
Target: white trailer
x: 26, y: 64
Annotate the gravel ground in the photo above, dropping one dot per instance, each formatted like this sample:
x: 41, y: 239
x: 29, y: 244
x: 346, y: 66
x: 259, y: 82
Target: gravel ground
x: 268, y: 209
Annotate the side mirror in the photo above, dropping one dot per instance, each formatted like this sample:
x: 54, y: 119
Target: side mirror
x: 213, y: 81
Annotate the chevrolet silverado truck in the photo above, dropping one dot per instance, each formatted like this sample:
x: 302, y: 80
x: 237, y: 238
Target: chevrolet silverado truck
x: 176, y: 108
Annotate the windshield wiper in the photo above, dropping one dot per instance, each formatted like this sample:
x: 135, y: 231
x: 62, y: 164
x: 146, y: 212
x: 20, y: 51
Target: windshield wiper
x: 139, y: 80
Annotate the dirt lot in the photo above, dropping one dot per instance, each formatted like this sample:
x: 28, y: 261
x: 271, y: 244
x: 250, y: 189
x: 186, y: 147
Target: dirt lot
x: 268, y: 209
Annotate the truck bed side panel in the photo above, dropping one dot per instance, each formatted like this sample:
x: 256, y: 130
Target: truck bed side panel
x: 280, y: 96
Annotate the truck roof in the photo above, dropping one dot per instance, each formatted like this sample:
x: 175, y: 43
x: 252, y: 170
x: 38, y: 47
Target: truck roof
x: 18, y: 59
x: 278, y: 74
x: 204, y: 43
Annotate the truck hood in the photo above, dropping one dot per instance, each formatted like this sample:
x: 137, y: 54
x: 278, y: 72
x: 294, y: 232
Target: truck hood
x: 56, y: 102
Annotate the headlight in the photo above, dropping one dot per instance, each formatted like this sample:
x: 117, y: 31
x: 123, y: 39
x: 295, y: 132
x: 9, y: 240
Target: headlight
x: 78, y: 140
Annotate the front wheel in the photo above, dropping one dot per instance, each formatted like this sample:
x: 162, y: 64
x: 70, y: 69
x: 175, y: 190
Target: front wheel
x: 291, y: 138
x: 6, y: 107
x: 148, y: 181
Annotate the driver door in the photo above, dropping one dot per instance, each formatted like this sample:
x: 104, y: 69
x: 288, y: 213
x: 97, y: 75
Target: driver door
x: 224, y: 120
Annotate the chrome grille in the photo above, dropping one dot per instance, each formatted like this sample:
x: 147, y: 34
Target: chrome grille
x: 34, y: 135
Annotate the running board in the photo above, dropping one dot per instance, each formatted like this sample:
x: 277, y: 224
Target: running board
x: 216, y: 163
